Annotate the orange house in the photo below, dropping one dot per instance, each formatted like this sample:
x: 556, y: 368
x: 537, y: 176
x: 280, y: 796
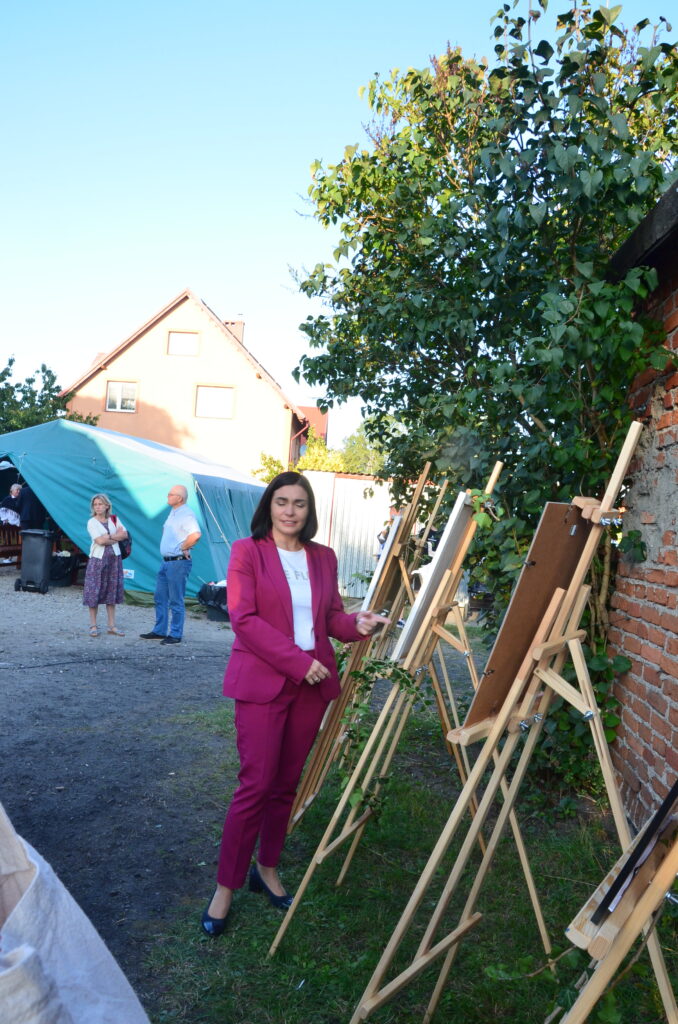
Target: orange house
x: 186, y: 379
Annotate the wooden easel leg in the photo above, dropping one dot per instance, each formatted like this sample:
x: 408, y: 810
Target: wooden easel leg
x: 458, y: 812
x: 510, y: 794
x: 325, y: 748
x: 515, y: 828
x: 373, y: 740
x: 637, y: 921
x: 623, y: 831
x: 404, y: 714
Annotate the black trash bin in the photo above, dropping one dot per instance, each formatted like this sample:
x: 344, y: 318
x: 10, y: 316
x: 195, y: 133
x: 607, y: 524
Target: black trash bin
x: 36, y: 560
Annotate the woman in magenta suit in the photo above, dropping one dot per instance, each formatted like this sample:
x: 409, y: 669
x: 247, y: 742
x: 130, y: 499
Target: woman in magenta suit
x: 284, y: 605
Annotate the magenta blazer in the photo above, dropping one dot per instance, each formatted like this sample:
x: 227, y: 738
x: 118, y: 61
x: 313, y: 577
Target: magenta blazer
x: 264, y: 654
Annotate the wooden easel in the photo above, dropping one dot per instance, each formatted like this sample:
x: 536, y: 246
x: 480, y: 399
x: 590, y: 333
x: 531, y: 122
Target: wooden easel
x: 415, y: 651
x: 515, y: 694
x: 622, y: 905
x: 388, y: 592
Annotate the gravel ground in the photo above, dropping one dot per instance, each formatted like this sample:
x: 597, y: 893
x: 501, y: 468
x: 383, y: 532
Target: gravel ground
x: 101, y: 758
x: 103, y: 762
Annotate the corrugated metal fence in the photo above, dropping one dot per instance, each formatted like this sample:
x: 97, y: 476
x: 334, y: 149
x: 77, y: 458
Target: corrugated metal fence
x: 351, y: 512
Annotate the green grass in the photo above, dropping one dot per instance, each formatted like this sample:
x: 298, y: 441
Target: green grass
x: 338, y: 934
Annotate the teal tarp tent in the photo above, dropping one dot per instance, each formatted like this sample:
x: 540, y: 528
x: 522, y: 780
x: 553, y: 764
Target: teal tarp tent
x: 66, y: 463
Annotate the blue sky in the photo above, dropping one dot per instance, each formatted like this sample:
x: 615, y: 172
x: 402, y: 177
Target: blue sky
x: 155, y: 146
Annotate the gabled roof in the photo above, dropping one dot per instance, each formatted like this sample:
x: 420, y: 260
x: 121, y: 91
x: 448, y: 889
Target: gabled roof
x: 230, y: 332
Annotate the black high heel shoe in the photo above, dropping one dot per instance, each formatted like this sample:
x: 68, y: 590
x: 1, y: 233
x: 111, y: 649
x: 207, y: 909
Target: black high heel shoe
x: 257, y: 884
x: 213, y: 926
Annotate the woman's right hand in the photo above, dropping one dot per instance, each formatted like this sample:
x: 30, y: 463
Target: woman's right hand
x: 316, y: 673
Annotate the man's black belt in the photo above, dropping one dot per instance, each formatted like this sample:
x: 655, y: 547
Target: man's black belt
x: 174, y: 558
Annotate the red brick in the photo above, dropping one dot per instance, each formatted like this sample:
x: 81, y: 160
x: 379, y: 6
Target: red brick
x: 645, y: 733
x: 643, y: 378
x: 637, y: 709
x: 672, y: 382
x: 636, y: 670
x: 658, y: 756
x: 651, y: 614
x: 637, y: 686
x: 661, y: 789
x: 668, y: 556
x: 628, y: 720
x: 669, y: 665
x: 637, y: 628
x: 671, y: 322
x: 632, y: 645
x: 647, y: 518
x: 657, y: 699
x: 656, y: 636
x: 634, y: 743
x: 664, y: 576
x: 671, y: 646
x: 651, y: 676
x: 624, y: 602
x: 630, y: 778
x: 657, y: 595
x: 669, y: 622
x: 661, y: 727
x: 667, y: 438
x: 669, y: 419
x: 651, y: 654
x: 615, y: 640
x: 632, y: 570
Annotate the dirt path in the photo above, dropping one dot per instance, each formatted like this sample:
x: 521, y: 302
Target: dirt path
x: 104, y: 766
x: 98, y: 737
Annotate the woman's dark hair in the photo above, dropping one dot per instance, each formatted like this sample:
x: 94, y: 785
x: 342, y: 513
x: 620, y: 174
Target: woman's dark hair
x: 261, y: 520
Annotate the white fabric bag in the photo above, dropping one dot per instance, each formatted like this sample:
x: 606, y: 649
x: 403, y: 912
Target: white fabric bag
x: 54, y: 966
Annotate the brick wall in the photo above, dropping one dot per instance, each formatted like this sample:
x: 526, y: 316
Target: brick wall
x: 644, y: 618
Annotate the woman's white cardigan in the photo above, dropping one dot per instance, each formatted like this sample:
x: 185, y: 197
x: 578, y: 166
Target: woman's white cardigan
x: 95, y: 528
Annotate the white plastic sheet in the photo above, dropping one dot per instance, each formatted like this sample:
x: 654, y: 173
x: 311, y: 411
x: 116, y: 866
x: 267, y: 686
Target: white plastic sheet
x: 54, y: 966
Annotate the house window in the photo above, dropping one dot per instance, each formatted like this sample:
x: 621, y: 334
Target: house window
x: 216, y: 403
x: 182, y: 343
x: 121, y: 396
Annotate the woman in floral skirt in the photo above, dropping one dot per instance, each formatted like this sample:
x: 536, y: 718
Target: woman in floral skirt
x: 103, y: 576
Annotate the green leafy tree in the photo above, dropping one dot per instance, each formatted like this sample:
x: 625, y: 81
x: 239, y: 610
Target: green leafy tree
x: 362, y: 454
x: 469, y: 302
x: 319, y: 456
x: 269, y: 468
x: 32, y: 401
x: 469, y: 296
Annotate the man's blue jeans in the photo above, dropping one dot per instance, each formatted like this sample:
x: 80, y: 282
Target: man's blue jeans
x: 170, y: 589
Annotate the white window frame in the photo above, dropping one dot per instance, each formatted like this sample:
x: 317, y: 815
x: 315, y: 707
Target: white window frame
x: 205, y: 409
x: 120, y: 384
x: 177, y: 336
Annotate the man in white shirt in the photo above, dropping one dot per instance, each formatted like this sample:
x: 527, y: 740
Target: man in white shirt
x: 179, y: 534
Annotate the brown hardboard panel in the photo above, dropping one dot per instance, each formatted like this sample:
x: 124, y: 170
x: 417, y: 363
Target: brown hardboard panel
x: 554, y: 554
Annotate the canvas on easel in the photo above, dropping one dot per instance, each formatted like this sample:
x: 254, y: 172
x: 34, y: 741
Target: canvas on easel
x: 506, y: 710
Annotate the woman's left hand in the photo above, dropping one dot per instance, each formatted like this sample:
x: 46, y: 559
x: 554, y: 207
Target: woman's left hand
x: 367, y: 622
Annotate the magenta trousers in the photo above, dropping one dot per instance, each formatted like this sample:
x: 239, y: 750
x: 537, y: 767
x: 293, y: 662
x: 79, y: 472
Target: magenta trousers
x: 274, y: 741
